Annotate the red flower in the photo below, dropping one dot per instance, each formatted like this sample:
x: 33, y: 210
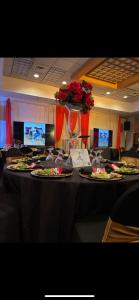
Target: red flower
x: 77, y: 98
x: 88, y: 95
x: 89, y: 86
x: 62, y: 95
x: 89, y: 101
x: 74, y: 93
x: 75, y: 87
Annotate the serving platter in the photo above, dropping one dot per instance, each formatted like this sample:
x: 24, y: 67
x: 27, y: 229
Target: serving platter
x: 101, y: 179
x: 39, y: 157
x: 18, y: 160
x: 33, y: 173
x: 124, y: 164
x: 133, y: 172
x: 12, y: 168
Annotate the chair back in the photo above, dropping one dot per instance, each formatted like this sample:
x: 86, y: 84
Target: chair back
x: 13, y: 152
x: 123, y: 224
x: 26, y: 150
x: 106, y: 153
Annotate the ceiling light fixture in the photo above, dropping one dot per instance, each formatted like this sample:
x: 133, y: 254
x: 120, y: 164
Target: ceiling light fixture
x: 36, y: 75
x: 108, y: 93
x: 125, y: 97
x: 64, y: 82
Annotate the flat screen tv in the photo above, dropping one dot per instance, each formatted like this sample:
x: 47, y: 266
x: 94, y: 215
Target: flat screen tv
x: 102, y: 138
x: 34, y: 134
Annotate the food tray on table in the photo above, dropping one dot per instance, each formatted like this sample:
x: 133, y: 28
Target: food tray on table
x: 101, y: 177
x: 124, y: 164
x: 14, y: 167
x: 127, y: 171
x: 21, y: 160
x: 50, y: 173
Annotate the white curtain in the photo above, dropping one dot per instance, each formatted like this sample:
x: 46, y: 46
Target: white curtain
x: 33, y: 112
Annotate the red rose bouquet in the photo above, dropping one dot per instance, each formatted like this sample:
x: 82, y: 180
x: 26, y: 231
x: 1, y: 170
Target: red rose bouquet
x: 77, y: 94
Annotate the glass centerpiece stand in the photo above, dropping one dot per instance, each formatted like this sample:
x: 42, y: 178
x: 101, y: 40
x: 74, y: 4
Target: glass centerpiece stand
x: 73, y: 136
x: 96, y: 160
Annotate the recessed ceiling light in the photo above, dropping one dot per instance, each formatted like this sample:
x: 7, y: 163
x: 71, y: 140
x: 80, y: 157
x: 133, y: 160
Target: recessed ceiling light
x: 36, y: 75
x: 108, y: 93
x: 64, y: 82
x: 125, y: 97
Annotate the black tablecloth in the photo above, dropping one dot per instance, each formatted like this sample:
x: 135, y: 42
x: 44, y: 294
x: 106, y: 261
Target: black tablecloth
x: 4, y: 154
x: 130, y: 154
x: 49, y: 207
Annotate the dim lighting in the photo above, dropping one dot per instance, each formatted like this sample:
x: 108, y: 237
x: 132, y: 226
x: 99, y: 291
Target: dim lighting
x: 36, y: 75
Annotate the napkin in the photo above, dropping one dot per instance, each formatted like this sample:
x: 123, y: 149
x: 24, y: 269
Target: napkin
x: 86, y: 170
x: 67, y: 170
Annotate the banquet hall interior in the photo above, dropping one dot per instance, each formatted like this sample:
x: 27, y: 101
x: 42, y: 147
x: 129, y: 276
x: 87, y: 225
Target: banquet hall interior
x: 69, y: 149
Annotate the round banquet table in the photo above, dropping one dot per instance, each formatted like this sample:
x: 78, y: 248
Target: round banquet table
x: 49, y: 207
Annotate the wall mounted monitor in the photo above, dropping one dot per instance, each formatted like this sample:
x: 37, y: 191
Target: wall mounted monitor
x: 34, y: 134
x: 102, y: 138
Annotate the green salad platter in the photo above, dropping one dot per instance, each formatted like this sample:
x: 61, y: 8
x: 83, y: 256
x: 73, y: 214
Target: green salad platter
x: 102, y: 176
x: 50, y: 173
x: 20, y: 160
x: 20, y: 167
x: 127, y: 171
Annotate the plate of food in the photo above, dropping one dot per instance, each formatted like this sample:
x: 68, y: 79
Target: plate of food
x: 20, y: 167
x: 39, y: 157
x: 127, y: 164
x: 20, y: 160
x: 103, y: 176
x: 51, y: 173
x: 127, y: 171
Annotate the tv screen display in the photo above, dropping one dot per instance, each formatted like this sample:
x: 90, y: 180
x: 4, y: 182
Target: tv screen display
x: 33, y: 134
x: 102, y: 138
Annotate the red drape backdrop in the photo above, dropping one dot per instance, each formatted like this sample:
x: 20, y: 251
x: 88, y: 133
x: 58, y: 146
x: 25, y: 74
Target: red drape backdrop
x: 85, y: 125
x: 119, y: 134
x: 59, y: 121
x: 8, y: 123
x: 73, y: 118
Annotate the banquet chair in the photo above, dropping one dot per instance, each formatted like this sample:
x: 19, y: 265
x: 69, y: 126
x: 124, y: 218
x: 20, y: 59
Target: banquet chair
x: 13, y: 153
x: 1, y: 164
x: 89, y: 230
x: 106, y: 153
x: 114, y: 154
x: 123, y: 223
x: 26, y: 150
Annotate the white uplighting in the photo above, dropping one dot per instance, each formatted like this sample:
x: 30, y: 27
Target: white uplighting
x: 36, y: 75
x: 108, y: 93
x: 64, y: 82
x: 125, y: 97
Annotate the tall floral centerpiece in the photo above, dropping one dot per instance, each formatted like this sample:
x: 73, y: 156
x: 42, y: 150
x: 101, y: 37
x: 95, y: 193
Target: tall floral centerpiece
x: 76, y: 96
